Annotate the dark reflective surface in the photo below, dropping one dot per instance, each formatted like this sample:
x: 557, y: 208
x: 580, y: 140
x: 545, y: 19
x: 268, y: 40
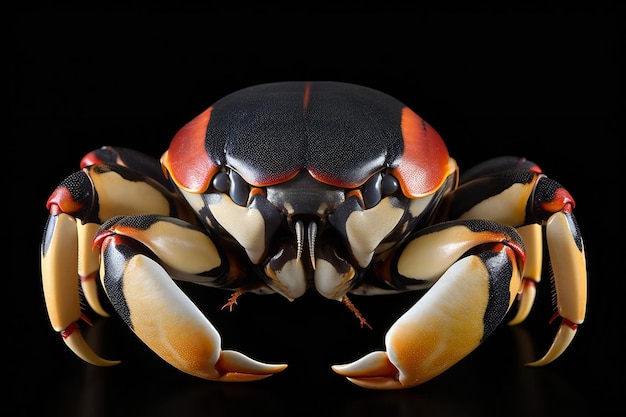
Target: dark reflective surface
x: 492, y: 381
x: 128, y: 78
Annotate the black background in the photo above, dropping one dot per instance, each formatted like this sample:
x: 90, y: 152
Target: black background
x: 526, y: 79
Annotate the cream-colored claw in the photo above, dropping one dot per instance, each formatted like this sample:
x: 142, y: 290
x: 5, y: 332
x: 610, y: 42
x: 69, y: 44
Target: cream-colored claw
x: 168, y: 322
x: 60, y: 286
x: 570, y: 279
x: 75, y: 341
x: 58, y: 272
x: 373, y: 371
x: 444, y: 326
x: 563, y: 338
x: 237, y: 367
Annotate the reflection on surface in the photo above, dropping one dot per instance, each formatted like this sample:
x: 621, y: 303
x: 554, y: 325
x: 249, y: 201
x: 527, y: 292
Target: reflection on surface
x: 492, y: 381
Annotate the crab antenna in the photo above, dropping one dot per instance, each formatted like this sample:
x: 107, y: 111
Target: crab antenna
x: 311, y: 236
x: 299, y: 228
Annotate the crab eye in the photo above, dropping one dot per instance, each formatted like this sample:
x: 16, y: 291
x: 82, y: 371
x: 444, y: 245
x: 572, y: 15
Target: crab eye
x: 221, y: 182
x: 239, y: 189
x: 389, y: 185
x: 233, y: 184
x: 378, y: 186
x: 371, y: 190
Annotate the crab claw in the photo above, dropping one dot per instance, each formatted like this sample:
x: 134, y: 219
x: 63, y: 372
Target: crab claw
x: 73, y: 338
x: 237, y: 367
x: 430, y: 337
x: 373, y: 371
x: 168, y: 322
x: 445, y: 325
x: 60, y: 285
x: 570, y: 279
x: 156, y: 309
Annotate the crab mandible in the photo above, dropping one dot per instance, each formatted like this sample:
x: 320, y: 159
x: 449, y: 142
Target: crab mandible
x: 286, y: 187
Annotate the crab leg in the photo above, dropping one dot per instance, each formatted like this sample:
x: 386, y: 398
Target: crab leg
x: 569, y: 266
x: 527, y: 199
x: 81, y: 202
x: 532, y: 235
x: 498, y: 189
x: 145, y: 296
x: 470, y: 297
x: 59, y: 257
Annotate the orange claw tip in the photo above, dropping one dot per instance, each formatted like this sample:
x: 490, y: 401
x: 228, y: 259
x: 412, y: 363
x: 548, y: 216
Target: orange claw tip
x: 237, y: 367
x: 77, y: 344
x: 563, y: 338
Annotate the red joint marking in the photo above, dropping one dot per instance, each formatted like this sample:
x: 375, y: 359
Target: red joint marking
x: 84, y: 318
x: 564, y: 321
x: 54, y: 209
x: 569, y: 324
x: 99, y: 240
x: 562, y: 201
x: 73, y: 327
x: 356, y: 312
x: 554, y: 317
x: 520, y: 253
x: 530, y: 282
x: 568, y: 208
x: 88, y: 277
x: 61, y: 201
x: 90, y: 159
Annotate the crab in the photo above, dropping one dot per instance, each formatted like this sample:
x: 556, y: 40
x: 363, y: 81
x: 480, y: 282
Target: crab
x: 291, y: 187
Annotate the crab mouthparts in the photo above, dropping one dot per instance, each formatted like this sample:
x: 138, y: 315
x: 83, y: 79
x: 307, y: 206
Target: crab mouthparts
x: 307, y: 256
x: 311, y: 235
x: 309, y: 262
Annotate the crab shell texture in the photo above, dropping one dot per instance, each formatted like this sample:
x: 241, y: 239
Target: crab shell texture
x: 338, y: 164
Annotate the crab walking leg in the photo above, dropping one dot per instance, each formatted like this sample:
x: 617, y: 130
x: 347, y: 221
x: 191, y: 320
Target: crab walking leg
x: 95, y: 194
x: 88, y: 265
x: 152, y: 305
x: 532, y: 234
x: 88, y: 259
x: 60, y: 288
x: 570, y: 278
x: 520, y: 198
x: 460, y: 310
